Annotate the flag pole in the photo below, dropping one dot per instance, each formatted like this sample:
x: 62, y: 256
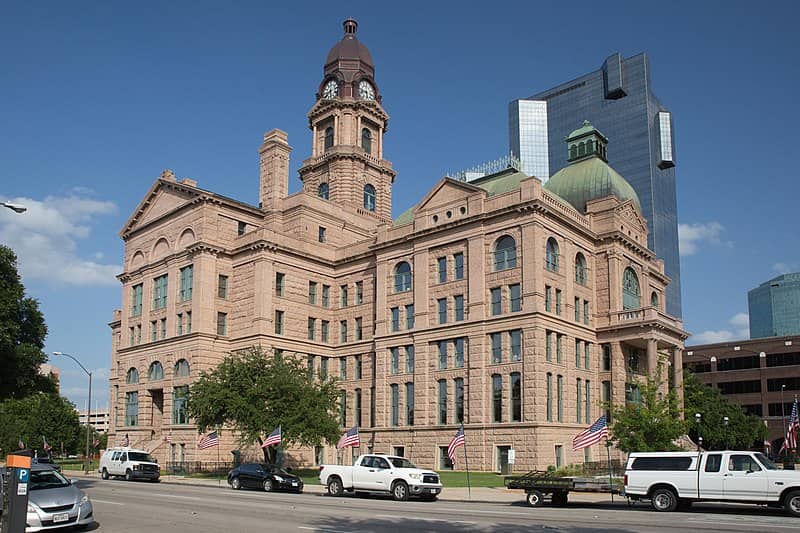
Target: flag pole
x: 219, y: 479
x: 610, y: 480
x: 466, y: 465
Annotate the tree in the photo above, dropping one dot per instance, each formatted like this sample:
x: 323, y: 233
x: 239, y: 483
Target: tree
x: 39, y: 416
x: 742, y: 432
x: 651, y: 425
x: 22, y: 333
x: 253, y: 393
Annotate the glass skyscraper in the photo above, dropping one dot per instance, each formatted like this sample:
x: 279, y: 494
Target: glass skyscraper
x: 619, y: 101
x: 774, y: 307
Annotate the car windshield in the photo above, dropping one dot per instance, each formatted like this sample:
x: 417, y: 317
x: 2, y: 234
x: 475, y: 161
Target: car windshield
x: 764, y: 460
x: 400, y: 462
x: 140, y: 456
x: 46, y: 479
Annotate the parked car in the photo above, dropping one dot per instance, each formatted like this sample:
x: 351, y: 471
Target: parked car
x: 674, y: 480
x: 130, y: 463
x: 55, y: 501
x: 46, y: 460
x: 381, y: 474
x: 266, y: 477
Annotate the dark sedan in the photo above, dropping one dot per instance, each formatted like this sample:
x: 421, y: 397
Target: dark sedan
x: 265, y: 477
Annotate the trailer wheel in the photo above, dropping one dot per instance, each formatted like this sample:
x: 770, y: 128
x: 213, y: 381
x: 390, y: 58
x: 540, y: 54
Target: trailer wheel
x: 559, y: 498
x: 535, y: 498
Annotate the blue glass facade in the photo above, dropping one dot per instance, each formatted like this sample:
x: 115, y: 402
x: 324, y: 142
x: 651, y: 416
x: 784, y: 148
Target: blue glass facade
x: 618, y: 100
x: 774, y: 307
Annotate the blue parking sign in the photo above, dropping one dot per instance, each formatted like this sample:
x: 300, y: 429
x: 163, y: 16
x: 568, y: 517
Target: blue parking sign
x: 24, y: 474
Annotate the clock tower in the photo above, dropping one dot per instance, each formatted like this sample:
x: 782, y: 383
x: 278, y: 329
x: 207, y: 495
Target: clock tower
x: 346, y: 166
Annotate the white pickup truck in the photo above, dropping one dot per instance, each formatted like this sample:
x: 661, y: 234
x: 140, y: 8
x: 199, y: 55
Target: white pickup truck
x: 381, y: 473
x: 674, y: 480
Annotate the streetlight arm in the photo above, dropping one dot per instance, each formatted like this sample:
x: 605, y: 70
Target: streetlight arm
x: 79, y: 363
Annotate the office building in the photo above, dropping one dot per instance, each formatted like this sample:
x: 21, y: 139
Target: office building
x: 617, y: 99
x: 774, y: 307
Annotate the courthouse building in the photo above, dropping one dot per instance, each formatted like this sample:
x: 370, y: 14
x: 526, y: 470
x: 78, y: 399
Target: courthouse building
x: 513, y: 307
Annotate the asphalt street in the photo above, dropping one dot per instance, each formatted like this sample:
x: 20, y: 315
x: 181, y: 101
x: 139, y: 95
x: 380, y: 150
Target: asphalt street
x: 126, y: 507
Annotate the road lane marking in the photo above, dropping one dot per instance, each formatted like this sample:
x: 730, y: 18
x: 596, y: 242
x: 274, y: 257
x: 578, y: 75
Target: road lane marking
x: 323, y: 529
x: 395, y: 517
x: 95, y: 500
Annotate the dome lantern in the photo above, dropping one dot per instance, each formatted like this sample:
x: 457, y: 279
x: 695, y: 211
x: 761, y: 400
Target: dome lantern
x: 586, y: 141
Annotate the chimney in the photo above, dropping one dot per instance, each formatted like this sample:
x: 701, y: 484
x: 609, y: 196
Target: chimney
x: 274, y: 170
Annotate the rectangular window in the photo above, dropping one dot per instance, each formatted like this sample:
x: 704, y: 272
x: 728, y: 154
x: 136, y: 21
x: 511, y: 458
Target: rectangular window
x: 606, y: 358
x: 222, y: 323
x: 343, y: 331
x: 458, y: 303
x: 323, y: 368
x: 409, y: 404
x: 410, y: 316
x: 579, y: 400
x: 312, y: 292
x: 409, y: 359
x: 179, y: 324
x: 442, y: 354
x: 559, y: 348
x: 395, y: 388
x: 163, y: 324
x: 153, y: 331
x: 497, y: 300
x: 497, y: 347
x: 358, y: 367
x: 357, y: 407
x: 312, y: 328
x: 515, y: 337
x: 372, y: 406
x: 577, y: 309
x: 343, y: 296
x: 560, y: 397
x: 458, y: 346
x: 548, y: 298
x: 131, y: 408
x: 138, y: 334
x: 180, y: 403
x: 549, y: 345
x: 324, y: 327
x: 441, y: 265
x: 558, y: 301
x: 587, y: 399
x: 586, y: 312
x: 278, y: 322
x: 188, y: 321
x: 444, y: 459
x: 280, y: 279
x: 326, y: 296
x: 605, y: 397
x: 343, y: 368
x: 136, y: 299
x: 458, y: 259
x: 242, y: 227
x: 578, y: 353
x: 342, y: 408
x: 222, y: 286
x: 359, y: 292
x: 441, y: 303
x: 515, y: 297
x: 442, y: 404
x: 516, y: 397
x: 459, y: 400
x: 160, y: 292
x: 395, y: 318
x: 559, y: 455
x: 549, y: 397
x: 497, y: 398
x: 321, y: 237
x: 394, y: 360
x: 359, y: 328
x: 586, y: 355
x: 185, y: 290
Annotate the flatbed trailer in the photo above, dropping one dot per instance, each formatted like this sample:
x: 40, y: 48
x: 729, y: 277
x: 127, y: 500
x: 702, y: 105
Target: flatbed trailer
x: 541, y: 485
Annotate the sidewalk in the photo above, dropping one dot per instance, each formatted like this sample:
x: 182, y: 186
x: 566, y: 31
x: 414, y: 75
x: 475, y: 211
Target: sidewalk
x: 457, y: 494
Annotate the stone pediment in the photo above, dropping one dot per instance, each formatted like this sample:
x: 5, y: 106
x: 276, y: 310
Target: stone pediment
x: 163, y: 197
x: 446, y: 192
x: 628, y: 212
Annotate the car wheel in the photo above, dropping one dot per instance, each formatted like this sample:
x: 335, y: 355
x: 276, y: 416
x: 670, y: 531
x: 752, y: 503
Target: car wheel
x: 104, y: 474
x: 400, y: 491
x: 535, y: 498
x: 335, y: 487
x: 665, y: 500
x: 268, y: 485
x: 236, y: 484
x: 128, y: 475
x: 792, y: 503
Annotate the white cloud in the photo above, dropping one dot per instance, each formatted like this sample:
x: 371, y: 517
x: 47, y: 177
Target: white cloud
x: 740, y: 331
x: 785, y: 268
x: 45, y: 239
x: 692, y: 237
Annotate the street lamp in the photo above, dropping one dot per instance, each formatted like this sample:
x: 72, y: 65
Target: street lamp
x: 17, y: 208
x: 88, y: 407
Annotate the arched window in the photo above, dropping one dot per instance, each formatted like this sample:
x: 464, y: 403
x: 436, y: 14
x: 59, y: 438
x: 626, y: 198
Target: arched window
x: 369, y: 197
x: 132, y: 376
x: 580, y: 269
x: 581, y: 149
x: 551, y: 255
x: 573, y: 152
x: 328, y: 137
x: 181, y: 368
x: 505, y: 253
x: 589, y: 146
x: 631, y: 296
x: 323, y: 191
x: 156, y: 372
x: 402, y: 277
x: 366, y: 140
x: 654, y: 299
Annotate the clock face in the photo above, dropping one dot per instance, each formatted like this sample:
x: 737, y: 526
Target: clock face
x: 365, y: 90
x: 331, y: 90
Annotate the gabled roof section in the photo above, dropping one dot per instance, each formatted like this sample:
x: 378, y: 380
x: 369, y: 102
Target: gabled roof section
x: 445, y: 192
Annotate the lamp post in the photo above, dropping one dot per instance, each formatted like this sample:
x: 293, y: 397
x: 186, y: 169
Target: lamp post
x: 88, y: 407
x: 697, y: 418
x: 725, y: 421
x: 14, y: 207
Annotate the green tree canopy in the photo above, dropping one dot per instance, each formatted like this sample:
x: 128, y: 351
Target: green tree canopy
x: 742, y: 432
x: 253, y: 393
x: 652, y: 425
x: 22, y: 333
x: 40, y: 416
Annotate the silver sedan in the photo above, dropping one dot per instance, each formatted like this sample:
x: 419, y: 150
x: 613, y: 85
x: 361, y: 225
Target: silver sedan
x: 55, y: 501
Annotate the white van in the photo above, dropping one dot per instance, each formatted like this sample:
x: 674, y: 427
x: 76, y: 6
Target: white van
x: 130, y: 463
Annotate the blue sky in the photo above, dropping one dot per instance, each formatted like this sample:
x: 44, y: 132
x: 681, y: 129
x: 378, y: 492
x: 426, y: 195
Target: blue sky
x: 97, y: 98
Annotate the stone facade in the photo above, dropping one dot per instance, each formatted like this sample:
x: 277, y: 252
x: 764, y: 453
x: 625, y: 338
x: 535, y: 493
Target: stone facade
x: 239, y: 275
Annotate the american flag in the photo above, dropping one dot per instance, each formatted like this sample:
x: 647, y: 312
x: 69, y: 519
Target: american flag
x: 209, y: 441
x: 591, y: 435
x: 458, y: 440
x: 350, y: 438
x: 273, y: 439
x: 46, y: 446
x: 790, y: 443
x: 126, y: 441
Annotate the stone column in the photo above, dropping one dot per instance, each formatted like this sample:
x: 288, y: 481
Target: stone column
x: 263, y: 292
x: 619, y: 374
x: 677, y: 368
x: 652, y: 356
